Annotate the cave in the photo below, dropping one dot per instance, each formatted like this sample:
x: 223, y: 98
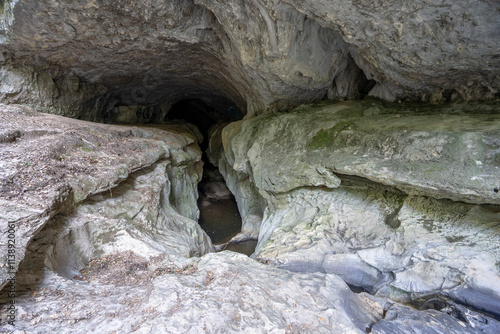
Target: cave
x: 249, y: 166
x: 219, y: 215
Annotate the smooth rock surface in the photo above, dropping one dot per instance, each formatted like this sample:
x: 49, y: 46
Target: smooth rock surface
x: 453, y: 318
x: 406, y: 233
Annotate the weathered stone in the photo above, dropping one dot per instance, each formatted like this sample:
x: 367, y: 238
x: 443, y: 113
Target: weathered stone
x: 215, y: 191
x: 133, y: 216
x: 257, y: 55
x: 397, y: 243
x: 52, y: 91
x: 223, y: 292
x: 417, y: 47
x: 450, y: 319
x: 56, y: 163
x: 445, y: 156
x: 400, y: 202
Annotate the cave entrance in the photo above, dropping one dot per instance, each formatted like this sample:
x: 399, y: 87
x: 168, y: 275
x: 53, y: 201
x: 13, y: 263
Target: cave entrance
x: 219, y: 214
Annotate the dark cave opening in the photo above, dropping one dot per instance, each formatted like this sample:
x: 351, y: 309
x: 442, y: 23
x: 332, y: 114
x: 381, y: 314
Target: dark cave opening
x: 198, y: 113
x: 219, y: 213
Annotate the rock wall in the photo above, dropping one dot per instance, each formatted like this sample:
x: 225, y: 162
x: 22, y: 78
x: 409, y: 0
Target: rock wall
x: 258, y: 55
x: 403, y: 211
x: 98, y: 188
x: 51, y: 90
x: 435, y: 50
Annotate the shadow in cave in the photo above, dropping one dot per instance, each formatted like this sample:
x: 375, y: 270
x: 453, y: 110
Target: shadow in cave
x: 219, y: 214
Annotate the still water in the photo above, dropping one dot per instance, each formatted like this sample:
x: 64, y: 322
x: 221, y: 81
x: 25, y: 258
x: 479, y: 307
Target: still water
x: 222, y: 221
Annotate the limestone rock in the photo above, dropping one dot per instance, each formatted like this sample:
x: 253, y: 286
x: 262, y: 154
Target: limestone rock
x: 56, y: 163
x: 260, y: 56
x: 222, y: 292
x: 450, y: 319
x: 216, y: 191
x: 408, y: 232
x: 449, y: 155
x: 417, y: 45
x: 52, y: 92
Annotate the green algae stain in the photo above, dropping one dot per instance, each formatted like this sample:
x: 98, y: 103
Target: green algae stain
x: 327, y: 137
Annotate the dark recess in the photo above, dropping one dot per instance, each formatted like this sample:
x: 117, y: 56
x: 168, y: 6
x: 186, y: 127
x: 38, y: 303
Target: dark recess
x: 202, y: 115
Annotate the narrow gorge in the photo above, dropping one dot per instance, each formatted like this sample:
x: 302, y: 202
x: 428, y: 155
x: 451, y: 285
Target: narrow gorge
x: 257, y: 166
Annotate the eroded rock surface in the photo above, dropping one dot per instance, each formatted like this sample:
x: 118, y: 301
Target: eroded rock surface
x: 84, y: 58
x: 118, y: 177
x: 219, y: 293
x: 395, y: 201
x: 401, y: 203
x: 122, y: 240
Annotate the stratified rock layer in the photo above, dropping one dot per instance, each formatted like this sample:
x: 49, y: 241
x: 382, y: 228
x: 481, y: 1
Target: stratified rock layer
x: 110, y: 242
x: 398, y: 201
x: 120, y: 179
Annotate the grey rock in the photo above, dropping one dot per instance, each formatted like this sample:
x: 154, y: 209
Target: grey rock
x: 445, y: 156
x: 260, y: 56
x: 399, y: 235
x: 417, y: 46
x: 355, y: 271
x: 52, y: 92
x: 224, y: 292
x: 452, y: 319
x: 57, y: 163
x: 135, y: 216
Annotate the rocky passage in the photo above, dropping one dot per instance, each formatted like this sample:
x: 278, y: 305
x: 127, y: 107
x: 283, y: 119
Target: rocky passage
x: 121, y: 256
x: 368, y: 212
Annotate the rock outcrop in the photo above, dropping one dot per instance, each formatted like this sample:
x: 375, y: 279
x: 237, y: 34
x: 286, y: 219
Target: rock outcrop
x: 97, y: 183
x: 104, y: 219
x: 401, y: 203
x: 83, y: 58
